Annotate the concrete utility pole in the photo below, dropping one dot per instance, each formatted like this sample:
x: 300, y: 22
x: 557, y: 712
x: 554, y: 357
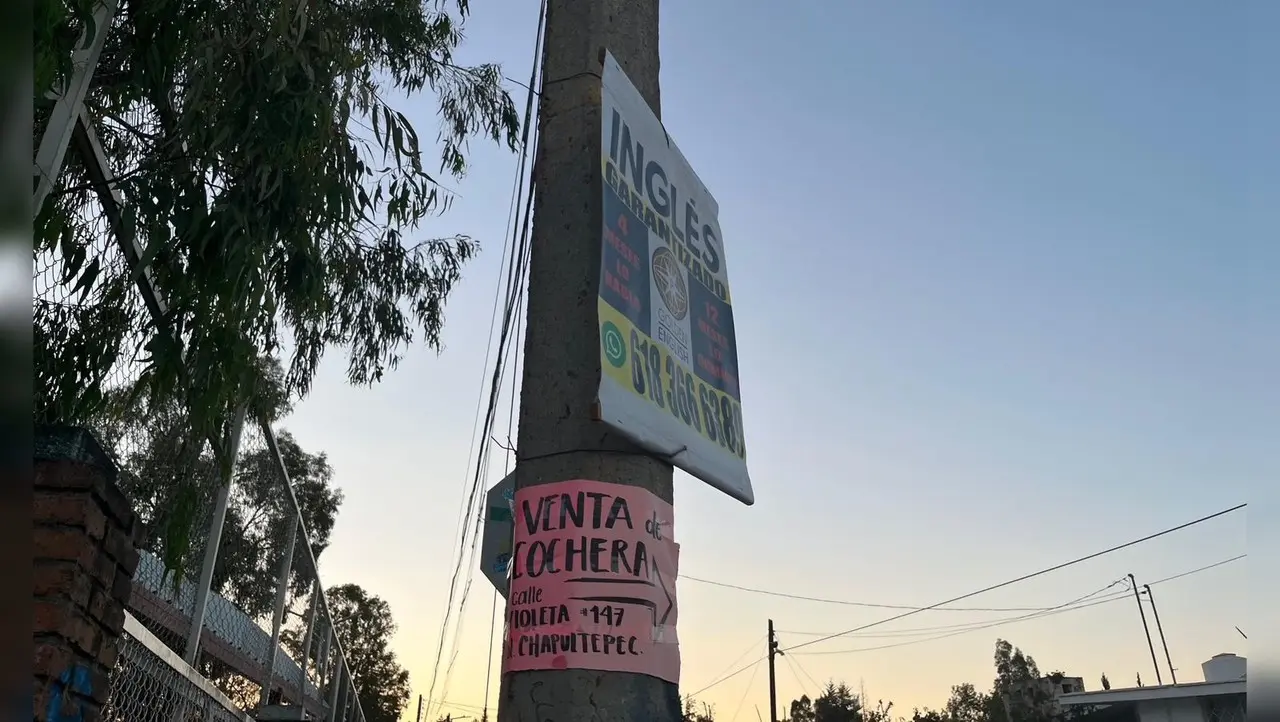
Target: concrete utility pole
x: 559, y: 438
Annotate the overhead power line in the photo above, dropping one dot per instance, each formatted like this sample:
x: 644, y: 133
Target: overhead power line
x: 850, y: 603
x: 1025, y: 577
x: 1071, y: 607
x: 992, y: 625
x: 976, y: 624
x: 1076, y: 604
x: 754, y: 646
x: 515, y: 254
x: 755, y: 668
x: 1081, y: 603
x: 729, y: 676
x: 907, y: 631
x: 1204, y: 568
x: 915, y: 631
x: 1084, y: 602
x: 790, y: 659
x: 857, y: 603
x: 1122, y: 595
x: 794, y: 664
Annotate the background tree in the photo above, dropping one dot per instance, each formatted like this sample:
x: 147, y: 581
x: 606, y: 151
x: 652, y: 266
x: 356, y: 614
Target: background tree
x: 1020, y: 693
x: 259, y: 517
x: 170, y: 476
x: 837, y: 703
x: 1016, y: 694
x: 1012, y: 666
x: 802, y: 710
x: 967, y: 704
x: 364, y: 624
x: 695, y: 712
x: 274, y: 190
x: 1106, y: 683
x: 883, y: 712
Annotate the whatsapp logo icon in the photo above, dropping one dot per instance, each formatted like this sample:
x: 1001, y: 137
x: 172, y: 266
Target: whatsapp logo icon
x: 614, y: 348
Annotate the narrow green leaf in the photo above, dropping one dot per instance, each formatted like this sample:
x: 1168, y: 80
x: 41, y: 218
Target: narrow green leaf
x: 85, y: 283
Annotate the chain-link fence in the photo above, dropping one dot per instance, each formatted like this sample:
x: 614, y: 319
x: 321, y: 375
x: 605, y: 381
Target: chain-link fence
x: 225, y: 618
x: 150, y: 683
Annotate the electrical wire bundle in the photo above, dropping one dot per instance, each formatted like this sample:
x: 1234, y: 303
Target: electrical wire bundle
x: 511, y: 292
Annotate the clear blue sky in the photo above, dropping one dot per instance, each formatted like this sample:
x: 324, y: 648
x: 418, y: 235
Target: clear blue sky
x: 999, y: 283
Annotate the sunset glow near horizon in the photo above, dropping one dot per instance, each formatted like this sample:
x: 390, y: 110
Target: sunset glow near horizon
x: 987, y: 323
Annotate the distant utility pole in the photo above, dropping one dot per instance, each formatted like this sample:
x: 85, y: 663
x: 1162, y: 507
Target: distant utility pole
x: 773, y: 678
x: 418, y: 717
x: 1173, y: 675
x: 560, y: 437
x: 1133, y: 583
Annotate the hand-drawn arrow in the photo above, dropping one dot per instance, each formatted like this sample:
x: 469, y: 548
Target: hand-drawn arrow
x: 671, y: 601
x: 638, y: 601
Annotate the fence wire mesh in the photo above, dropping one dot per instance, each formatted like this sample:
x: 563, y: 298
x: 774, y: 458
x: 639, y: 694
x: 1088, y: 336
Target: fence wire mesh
x: 88, y: 322
x: 148, y: 684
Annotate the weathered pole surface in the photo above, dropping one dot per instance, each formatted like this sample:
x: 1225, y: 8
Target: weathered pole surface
x: 559, y: 438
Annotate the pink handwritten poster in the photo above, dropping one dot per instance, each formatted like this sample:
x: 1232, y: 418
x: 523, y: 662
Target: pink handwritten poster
x: 593, y: 581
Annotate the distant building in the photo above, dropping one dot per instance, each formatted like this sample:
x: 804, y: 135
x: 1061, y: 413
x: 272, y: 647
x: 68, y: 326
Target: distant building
x: 1220, y: 698
x: 1042, y: 694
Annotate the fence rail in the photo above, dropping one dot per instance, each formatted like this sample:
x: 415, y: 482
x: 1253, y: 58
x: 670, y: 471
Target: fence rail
x: 193, y: 649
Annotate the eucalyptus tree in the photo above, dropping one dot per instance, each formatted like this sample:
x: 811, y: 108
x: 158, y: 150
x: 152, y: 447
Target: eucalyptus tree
x: 278, y: 196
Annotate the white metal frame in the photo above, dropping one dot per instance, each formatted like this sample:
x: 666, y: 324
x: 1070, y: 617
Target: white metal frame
x: 70, y: 102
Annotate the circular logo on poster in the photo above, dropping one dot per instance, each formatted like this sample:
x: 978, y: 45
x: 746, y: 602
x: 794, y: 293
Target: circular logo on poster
x: 668, y: 276
x: 614, y: 349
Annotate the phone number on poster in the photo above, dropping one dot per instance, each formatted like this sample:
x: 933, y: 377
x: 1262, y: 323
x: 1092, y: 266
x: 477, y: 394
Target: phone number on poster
x: 666, y: 383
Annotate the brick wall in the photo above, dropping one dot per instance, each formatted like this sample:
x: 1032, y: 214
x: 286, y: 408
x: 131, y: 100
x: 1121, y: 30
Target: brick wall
x: 84, y: 558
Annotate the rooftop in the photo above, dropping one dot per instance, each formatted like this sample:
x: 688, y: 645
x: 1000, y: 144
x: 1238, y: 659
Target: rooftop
x: 1165, y: 691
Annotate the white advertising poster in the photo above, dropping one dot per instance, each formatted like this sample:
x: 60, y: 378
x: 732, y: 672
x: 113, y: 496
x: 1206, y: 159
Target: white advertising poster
x: 668, y: 351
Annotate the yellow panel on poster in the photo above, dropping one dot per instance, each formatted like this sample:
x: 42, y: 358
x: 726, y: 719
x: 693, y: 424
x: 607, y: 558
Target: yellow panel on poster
x: 634, y: 361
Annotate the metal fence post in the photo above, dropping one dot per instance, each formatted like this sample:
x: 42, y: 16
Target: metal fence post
x: 56, y: 136
x: 349, y: 704
x: 325, y: 663
x: 277, y: 620
x: 336, y: 694
x: 214, y: 541
x: 270, y: 436
x: 306, y: 649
